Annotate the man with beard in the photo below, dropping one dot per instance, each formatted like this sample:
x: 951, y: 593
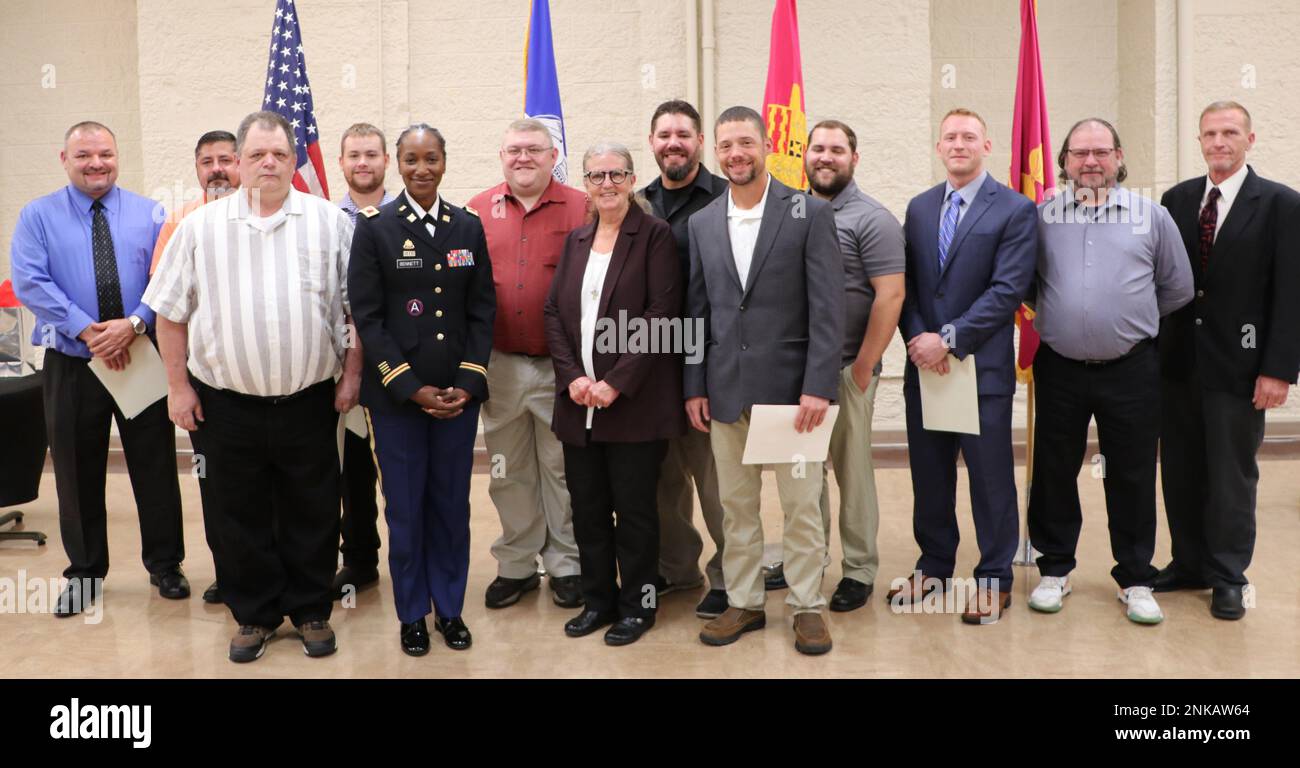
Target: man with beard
x: 871, y: 243
x: 217, y: 168
x: 1111, y: 263
x: 363, y: 158
x: 683, y: 187
x: 767, y: 278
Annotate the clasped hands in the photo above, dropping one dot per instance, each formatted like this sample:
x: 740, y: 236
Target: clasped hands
x: 927, y: 351
x: 110, y: 340
x: 593, y: 394
x: 441, y: 403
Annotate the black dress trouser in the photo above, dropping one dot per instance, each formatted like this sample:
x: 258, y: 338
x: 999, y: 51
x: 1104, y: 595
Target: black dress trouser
x: 78, y: 412
x: 271, y: 499
x: 616, y: 523
x: 1124, y: 397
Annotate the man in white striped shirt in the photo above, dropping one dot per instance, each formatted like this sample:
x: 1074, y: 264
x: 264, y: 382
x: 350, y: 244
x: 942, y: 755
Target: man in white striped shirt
x: 253, y: 329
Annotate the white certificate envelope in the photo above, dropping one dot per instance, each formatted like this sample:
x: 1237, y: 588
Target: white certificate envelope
x: 951, y: 403
x: 141, y: 384
x: 772, y: 439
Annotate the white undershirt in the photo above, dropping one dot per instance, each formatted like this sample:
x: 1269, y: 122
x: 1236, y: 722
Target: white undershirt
x: 593, y: 284
x: 1227, y: 193
x: 420, y: 212
x: 743, y: 226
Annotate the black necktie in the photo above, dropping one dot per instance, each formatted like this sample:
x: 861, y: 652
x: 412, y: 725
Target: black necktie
x: 107, y: 287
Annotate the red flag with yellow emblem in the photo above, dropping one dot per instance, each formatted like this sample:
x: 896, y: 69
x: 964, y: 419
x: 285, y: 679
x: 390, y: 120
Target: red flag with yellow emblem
x: 783, y: 110
x: 1031, y: 157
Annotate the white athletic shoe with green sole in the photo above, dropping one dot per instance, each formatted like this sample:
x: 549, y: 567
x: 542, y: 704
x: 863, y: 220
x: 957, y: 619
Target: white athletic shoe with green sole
x: 1047, y: 596
x: 1142, y: 606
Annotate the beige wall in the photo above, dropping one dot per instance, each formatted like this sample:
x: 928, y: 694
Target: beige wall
x: 161, y: 72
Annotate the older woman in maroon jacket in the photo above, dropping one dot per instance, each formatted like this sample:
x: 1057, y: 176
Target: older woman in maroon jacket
x: 619, y: 394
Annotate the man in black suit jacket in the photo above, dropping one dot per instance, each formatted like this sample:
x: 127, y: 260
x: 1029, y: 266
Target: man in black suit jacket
x: 1225, y: 358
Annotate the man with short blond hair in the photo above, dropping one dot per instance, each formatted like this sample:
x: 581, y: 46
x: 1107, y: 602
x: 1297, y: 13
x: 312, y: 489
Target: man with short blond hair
x: 526, y: 219
x: 1226, y: 358
x: 971, y: 247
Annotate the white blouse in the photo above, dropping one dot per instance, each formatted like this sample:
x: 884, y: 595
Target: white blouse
x: 593, y: 283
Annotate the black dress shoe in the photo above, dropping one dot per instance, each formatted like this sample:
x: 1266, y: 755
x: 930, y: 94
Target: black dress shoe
x: 850, y: 594
x: 503, y: 592
x: 713, y: 604
x: 357, y: 578
x: 1226, y: 603
x: 774, y: 577
x: 587, y: 622
x: 1168, y: 579
x: 171, y: 583
x: 76, y: 597
x: 454, y: 632
x: 415, y: 638
x: 628, y: 630
x: 568, y: 591
x: 212, y: 594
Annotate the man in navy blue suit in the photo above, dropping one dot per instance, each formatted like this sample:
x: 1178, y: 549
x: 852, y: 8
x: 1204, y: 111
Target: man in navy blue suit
x: 971, y: 250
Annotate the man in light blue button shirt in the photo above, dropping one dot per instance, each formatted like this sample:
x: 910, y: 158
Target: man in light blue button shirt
x: 80, y: 261
x: 1111, y: 263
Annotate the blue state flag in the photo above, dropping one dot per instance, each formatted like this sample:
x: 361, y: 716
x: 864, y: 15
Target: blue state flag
x: 541, y: 87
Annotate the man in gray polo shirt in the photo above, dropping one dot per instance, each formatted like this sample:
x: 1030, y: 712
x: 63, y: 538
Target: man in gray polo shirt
x: 871, y: 243
x: 1111, y: 263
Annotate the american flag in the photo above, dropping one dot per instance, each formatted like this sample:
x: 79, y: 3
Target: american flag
x: 289, y: 94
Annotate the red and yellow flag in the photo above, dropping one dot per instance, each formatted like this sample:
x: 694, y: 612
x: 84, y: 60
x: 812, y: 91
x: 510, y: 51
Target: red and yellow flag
x: 783, y: 110
x: 1031, y: 157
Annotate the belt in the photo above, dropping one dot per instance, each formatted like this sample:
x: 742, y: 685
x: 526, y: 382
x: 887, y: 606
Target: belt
x: 268, y: 400
x: 1137, y: 348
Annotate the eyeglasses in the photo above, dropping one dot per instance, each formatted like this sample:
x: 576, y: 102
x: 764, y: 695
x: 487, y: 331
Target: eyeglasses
x: 598, y: 177
x: 533, y: 152
x: 1100, y: 154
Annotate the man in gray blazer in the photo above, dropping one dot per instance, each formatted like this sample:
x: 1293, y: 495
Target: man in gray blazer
x: 767, y: 280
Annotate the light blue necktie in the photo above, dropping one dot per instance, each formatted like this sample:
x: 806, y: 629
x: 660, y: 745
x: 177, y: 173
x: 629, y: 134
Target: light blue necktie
x: 948, y: 227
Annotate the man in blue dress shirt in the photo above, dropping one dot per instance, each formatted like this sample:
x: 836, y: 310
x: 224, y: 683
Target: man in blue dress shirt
x: 80, y: 262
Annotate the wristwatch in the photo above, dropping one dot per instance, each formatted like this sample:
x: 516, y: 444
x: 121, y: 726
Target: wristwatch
x: 137, y: 325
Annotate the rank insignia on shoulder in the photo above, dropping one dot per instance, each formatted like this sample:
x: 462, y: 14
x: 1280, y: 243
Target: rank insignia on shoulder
x: 470, y: 211
x: 460, y: 257
x: 370, y: 211
x: 445, y: 217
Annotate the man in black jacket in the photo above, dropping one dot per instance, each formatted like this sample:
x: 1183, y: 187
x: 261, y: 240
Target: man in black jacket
x: 1225, y: 358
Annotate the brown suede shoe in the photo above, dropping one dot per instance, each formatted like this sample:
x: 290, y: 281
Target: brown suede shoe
x: 810, y: 634
x: 987, y: 606
x: 733, y: 623
x: 915, y: 590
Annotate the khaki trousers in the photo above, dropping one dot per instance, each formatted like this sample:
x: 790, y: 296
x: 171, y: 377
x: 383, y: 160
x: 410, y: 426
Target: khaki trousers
x: 689, y: 459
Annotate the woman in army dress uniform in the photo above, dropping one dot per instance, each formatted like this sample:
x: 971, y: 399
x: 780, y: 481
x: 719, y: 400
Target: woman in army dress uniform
x: 420, y: 284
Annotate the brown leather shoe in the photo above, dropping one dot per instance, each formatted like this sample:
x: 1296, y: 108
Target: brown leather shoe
x: 987, y: 606
x: 915, y: 590
x: 810, y: 634
x: 733, y: 623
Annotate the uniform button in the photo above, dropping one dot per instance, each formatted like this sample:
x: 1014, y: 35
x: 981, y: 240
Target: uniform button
x: 437, y: 289
x: 742, y: 307
x: 440, y: 337
x: 438, y: 313
x: 744, y: 347
x: 1200, y: 294
x: 437, y: 267
x: 1198, y: 321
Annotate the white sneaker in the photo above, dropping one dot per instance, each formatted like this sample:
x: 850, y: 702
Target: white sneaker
x: 1046, y: 597
x: 1142, y: 606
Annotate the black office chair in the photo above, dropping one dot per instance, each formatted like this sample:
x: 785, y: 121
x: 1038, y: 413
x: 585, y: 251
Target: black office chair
x: 22, y: 449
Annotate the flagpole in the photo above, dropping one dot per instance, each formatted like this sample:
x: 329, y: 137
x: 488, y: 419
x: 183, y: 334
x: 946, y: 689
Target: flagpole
x: 1025, y: 552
